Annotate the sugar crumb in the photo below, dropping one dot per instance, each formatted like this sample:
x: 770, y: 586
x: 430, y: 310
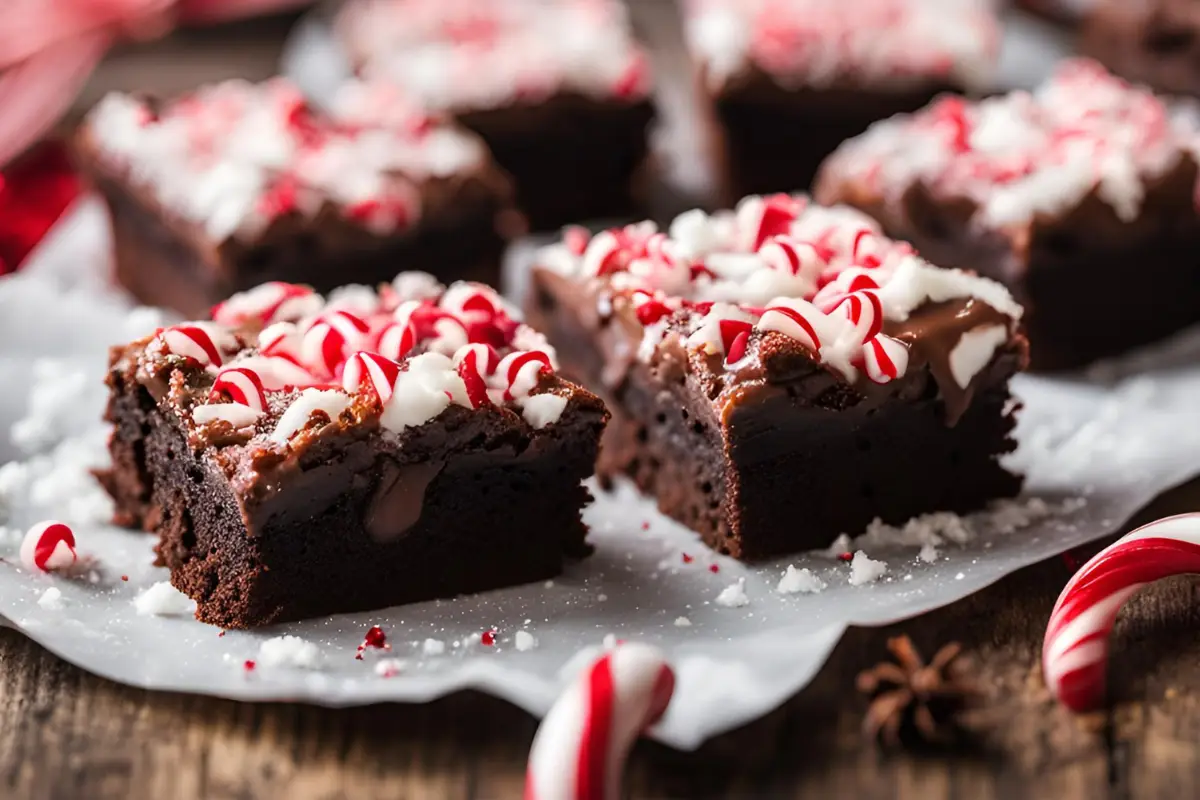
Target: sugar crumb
x: 734, y: 595
x: 524, y: 640
x: 52, y: 599
x: 433, y: 647
x: 929, y: 553
x: 162, y: 600
x: 289, y: 651
x: 683, y: 622
x: 865, y: 570
x: 796, y: 581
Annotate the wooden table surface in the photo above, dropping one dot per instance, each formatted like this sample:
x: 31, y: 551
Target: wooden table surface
x: 67, y: 734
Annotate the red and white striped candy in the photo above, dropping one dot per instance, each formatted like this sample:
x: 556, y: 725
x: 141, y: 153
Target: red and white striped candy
x: 474, y: 363
x: 471, y: 300
x: 48, y: 547
x: 760, y: 218
x: 521, y: 371
x: 581, y: 746
x: 1075, y: 650
x: 865, y: 312
x: 243, y: 385
x: 275, y: 372
x: 372, y: 370
x: 270, y: 302
x: 885, y: 358
x: 799, y: 320
x: 604, y: 254
x: 785, y: 254
x: 735, y: 335
x: 195, y: 340
x: 396, y: 339
x: 281, y: 340
x: 330, y: 339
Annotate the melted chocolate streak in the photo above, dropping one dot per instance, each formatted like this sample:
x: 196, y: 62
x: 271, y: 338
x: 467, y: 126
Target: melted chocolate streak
x: 774, y: 361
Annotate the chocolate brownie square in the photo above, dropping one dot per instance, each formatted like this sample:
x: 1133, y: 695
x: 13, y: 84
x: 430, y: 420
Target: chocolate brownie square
x: 300, y: 456
x: 783, y: 373
x: 1057, y: 194
x: 239, y: 184
x: 789, y: 80
x: 1156, y: 42
x: 558, y: 90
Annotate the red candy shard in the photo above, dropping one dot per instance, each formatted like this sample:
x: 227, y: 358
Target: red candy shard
x: 713, y: 568
x: 248, y: 665
x: 778, y: 213
x: 488, y: 638
x: 734, y: 335
x: 375, y: 637
x: 687, y: 559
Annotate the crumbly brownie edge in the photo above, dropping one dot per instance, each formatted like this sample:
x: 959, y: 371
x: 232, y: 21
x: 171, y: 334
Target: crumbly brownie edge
x: 503, y: 511
x: 572, y: 158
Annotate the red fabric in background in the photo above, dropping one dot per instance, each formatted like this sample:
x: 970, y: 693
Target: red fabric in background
x: 35, y: 191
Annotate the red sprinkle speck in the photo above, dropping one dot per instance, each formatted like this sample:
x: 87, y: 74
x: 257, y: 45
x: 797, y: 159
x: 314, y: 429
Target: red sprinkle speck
x: 846, y: 557
x: 488, y: 637
x: 645, y: 526
x: 125, y: 578
x: 375, y: 637
x: 713, y: 568
x: 220, y: 634
x: 249, y: 666
x: 686, y: 558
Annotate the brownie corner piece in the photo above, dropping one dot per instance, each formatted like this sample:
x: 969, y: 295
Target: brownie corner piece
x: 788, y: 82
x: 236, y: 184
x: 1056, y: 194
x: 783, y: 362
x: 300, y: 456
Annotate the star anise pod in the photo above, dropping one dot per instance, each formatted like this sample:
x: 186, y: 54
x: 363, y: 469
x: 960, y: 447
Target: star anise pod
x: 909, y: 695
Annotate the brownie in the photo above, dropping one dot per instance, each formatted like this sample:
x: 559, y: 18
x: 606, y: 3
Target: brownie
x: 1156, y: 42
x: 1056, y: 194
x: 782, y: 373
x: 298, y: 456
x: 788, y: 80
x: 558, y: 90
x: 1066, y: 12
x: 239, y: 184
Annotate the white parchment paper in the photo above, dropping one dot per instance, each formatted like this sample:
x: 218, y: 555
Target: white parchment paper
x: 1095, y: 450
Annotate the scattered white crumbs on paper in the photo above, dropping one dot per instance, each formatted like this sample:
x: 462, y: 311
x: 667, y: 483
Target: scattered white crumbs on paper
x: 289, y: 651
x: 524, y: 640
x: 929, y: 553
x: 433, y: 647
x: 52, y: 599
x: 54, y: 396
x: 959, y: 576
x: 162, y: 600
x: 796, y: 581
x: 734, y: 595
x: 865, y: 570
x: 389, y: 667
x: 683, y: 622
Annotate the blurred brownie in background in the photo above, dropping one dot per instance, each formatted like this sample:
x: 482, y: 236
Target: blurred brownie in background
x: 558, y: 90
x: 1156, y: 42
x: 789, y: 80
x: 238, y: 183
x: 1067, y: 12
x: 1080, y: 197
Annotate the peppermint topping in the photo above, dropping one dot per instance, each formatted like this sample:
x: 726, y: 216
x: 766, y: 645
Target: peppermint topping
x: 410, y: 350
x: 850, y: 42
x: 1020, y: 155
x: 826, y: 278
x: 48, y: 547
x: 234, y: 156
x: 464, y: 54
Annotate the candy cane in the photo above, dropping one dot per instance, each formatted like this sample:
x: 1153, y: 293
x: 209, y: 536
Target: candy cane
x: 372, y: 369
x: 885, y: 359
x: 521, y: 371
x: 266, y: 303
x: 48, y: 546
x: 1075, y: 650
x: 735, y: 334
x: 581, y: 745
x: 196, y: 341
x: 243, y: 385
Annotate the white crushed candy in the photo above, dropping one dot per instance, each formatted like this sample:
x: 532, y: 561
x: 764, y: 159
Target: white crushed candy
x: 959, y: 576
x: 842, y: 544
x: 310, y: 401
x: 865, y: 570
x: 974, y: 350
x: 162, y: 600
x: 52, y: 599
x: 433, y: 647
x: 390, y: 667
x: 236, y: 414
x: 683, y: 622
x: 540, y: 410
x: 289, y: 651
x: 423, y: 391
x: 799, y: 581
x: 524, y: 640
x: 929, y: 553
x: 734, y: 595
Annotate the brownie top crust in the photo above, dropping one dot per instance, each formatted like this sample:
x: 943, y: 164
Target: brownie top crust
x: 234, y: 157
x: 1022, y: 156
x: 844, y: 43
x: 782, y: 291
x: 279, y: 370
x: 463, y: 55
